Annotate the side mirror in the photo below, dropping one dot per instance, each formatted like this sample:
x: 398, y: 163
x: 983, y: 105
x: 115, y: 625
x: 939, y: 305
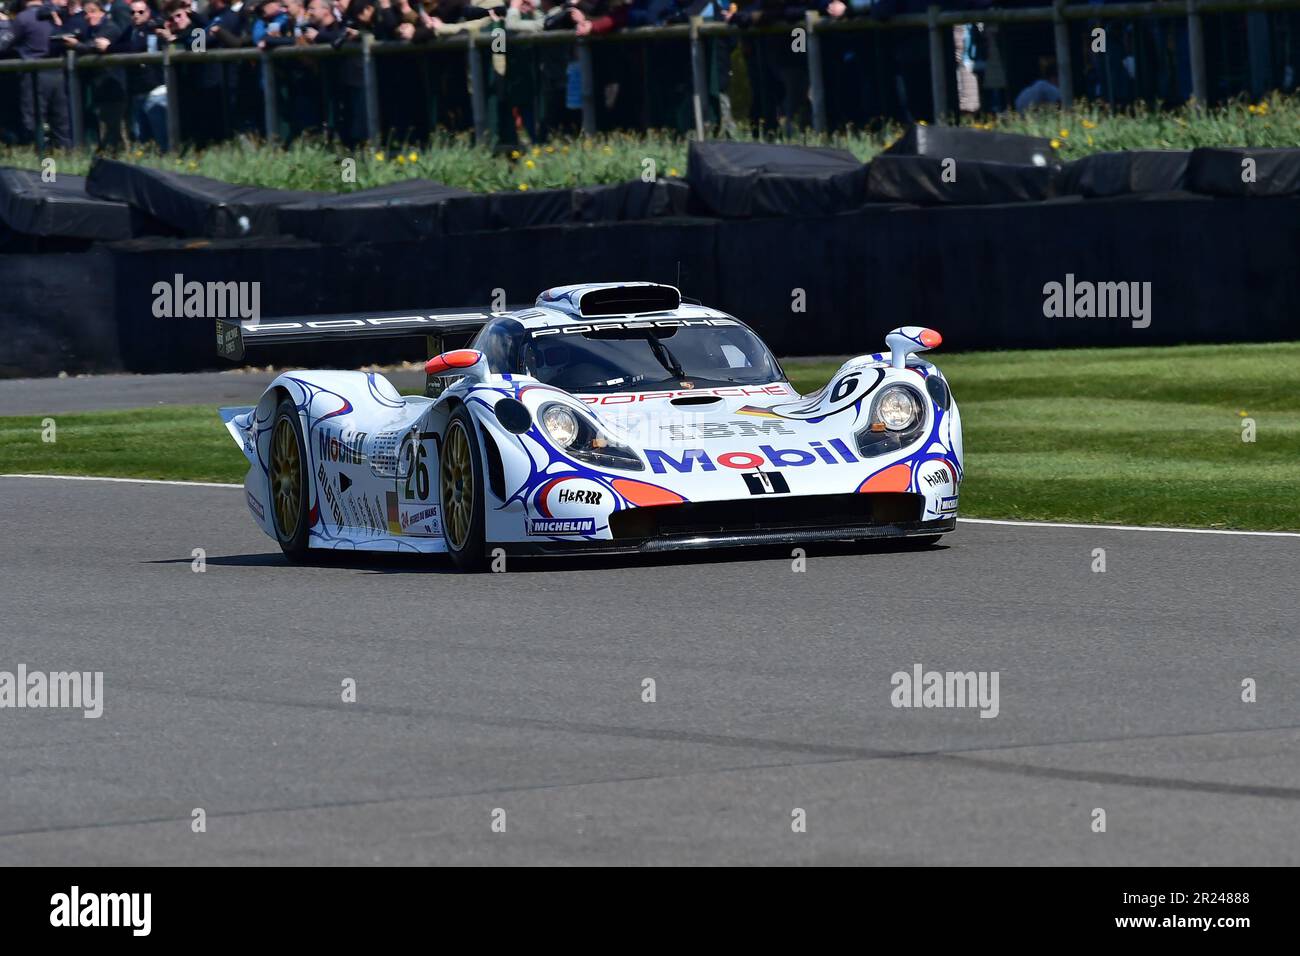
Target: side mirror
x: 910, y: 338
x: 458, y: 363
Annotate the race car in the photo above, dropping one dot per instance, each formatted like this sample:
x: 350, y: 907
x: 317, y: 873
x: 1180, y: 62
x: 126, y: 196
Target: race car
x: 606, y: 417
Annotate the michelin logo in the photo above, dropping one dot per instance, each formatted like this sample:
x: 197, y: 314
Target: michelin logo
x: 548, y: 526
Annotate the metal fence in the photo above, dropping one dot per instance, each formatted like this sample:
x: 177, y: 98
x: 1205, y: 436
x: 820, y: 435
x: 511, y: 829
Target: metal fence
x: 699, y: 68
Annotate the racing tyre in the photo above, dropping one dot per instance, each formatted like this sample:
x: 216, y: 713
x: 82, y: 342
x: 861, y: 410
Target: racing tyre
x: 460, y: 491
x: 288, y: 481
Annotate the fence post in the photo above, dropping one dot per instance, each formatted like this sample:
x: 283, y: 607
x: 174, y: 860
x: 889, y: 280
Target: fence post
x: 39, y: 131
x: 270, y: 111
x: 371, y: 87
x: 477, y: 91
x: 1064, y: 64
x: 1196, y: 47
x: 173, y: 101
x: 588, y: 88
x: 76, y: 116
x: 938, y: 72
x: 816, y: 89
x: 699, y: 89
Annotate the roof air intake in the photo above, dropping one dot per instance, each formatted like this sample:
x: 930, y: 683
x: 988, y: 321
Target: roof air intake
x: 629, y: 300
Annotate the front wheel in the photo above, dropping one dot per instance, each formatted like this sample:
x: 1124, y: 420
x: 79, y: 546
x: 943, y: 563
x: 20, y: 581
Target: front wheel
x: 288, y: 481
x: 460, y: 487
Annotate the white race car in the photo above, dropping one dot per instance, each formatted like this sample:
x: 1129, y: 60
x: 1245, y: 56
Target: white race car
x: 608, y: 417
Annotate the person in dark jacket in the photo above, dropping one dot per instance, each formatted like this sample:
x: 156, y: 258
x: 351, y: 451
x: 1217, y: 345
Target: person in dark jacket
x: 228, y: 30
x: 44, y: 98
x: 345, y: 79
x: 202, y: 103
x: 146, y: 115
x: 107, y: 86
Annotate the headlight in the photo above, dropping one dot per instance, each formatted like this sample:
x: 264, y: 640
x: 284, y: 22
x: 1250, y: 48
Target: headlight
x: 898, y: 408
x: 576, y: 434
x: 897, y: 419
x: 561, y: 424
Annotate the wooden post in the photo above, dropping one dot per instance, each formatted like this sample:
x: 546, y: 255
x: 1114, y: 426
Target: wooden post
x: 76, y: 114
x: 699, y: 87
x: 173, y: 101
x: 371, y: 87
x: 270, y: 108
x: 1064, y: 64
x: 938, y: 69
x: 1196, y: 47
x: 477, y: 91
x: 816, y: 89
x: 588, y: 88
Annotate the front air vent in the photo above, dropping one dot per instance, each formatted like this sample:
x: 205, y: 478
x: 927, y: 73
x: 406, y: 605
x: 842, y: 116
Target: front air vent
x: 696, y: 400
x: 629, y: 300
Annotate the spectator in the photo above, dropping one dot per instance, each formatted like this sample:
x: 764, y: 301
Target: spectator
x: 203, y: 106
x: 119, y: 11
x: 225, y: 25
x: 345, y: 77
x: 107, y: 86
x: 273, y: 26
x: 147, y: 97
x: 524, y: 16
x: 1041, y: 92
x: 43, y: 96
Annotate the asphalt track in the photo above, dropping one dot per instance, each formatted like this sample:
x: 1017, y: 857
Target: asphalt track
x: 522, y: 691
x: 91, y: 393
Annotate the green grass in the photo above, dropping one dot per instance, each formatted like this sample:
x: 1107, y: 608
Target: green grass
x: 1128, y: 436
x: 617, y: 157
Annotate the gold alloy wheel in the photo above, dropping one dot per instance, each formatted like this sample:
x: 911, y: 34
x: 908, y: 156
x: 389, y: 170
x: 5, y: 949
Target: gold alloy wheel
x: 286, y: 478
x: 456, y: 472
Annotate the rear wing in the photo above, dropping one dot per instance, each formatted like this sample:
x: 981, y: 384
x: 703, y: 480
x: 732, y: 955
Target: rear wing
x: 234, y: 338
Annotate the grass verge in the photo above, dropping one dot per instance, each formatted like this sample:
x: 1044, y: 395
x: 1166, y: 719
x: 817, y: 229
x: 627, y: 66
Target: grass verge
x: 453, y: 158
x: 1126, y: 436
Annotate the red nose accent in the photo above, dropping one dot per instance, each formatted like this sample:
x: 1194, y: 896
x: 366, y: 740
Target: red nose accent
x: 931, y: 339
x: 460, y: 358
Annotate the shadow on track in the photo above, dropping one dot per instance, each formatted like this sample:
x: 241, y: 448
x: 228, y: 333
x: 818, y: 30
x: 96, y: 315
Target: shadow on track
x: 376, y: 562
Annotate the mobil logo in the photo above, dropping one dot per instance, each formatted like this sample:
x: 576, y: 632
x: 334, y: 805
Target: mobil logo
x: 833, y: 452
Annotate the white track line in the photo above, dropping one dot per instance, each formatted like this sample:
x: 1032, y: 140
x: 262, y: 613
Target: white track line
x: 132, y: 481
x: 994, y: 521
x: 1127, y: 527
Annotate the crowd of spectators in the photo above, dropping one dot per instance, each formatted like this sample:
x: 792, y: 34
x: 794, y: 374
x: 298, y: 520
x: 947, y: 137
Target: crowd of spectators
x: 224, y: 98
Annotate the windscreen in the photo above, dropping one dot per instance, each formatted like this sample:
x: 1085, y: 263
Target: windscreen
x: 650, y: 357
